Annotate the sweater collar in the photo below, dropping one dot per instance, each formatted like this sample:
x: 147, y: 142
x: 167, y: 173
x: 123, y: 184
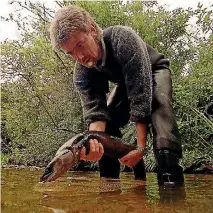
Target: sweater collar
x: 102, y: 61
x: 104, y: 52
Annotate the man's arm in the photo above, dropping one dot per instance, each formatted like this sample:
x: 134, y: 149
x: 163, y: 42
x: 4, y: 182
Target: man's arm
x: 97, y: 126
x: 92, y: 89
x: 141, y: 129
x: 131, y: 53
x: 134, y: 156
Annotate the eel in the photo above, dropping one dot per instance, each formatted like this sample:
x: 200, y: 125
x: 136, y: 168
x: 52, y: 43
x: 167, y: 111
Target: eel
x: 68, y: 155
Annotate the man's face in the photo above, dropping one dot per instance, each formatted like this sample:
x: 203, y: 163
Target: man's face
x: 83, y: 47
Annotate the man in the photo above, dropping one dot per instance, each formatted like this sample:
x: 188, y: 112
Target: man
x: 142, y: 94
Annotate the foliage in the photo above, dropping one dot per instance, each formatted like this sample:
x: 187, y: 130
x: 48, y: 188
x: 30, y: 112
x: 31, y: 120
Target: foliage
x: 36, y: 83
x: 5, y: 159
x: 40, y: 108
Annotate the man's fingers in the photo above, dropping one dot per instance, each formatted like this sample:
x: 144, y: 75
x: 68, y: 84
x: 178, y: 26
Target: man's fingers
x: 92, y: 146
x: 94, y: 150
x: 96, y: 146
x: 95, y: 153
x: 132, y: 158
x: 101, y: 150
x: 124, y: 161
x: 83, y: 154
x: 127, y: 162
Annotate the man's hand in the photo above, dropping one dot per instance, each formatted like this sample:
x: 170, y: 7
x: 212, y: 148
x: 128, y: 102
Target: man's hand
x: 96, y: 148
x: 95, y: 153
x: 132, y: 158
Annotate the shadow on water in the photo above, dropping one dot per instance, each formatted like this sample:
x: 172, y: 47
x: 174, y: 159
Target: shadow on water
x: 86, y: 192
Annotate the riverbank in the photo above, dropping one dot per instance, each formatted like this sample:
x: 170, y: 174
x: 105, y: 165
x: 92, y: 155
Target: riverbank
x: 201, y: 168
x: 31, y: 168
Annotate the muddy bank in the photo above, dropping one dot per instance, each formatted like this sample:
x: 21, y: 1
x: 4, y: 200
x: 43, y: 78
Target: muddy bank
x: 31, y: 168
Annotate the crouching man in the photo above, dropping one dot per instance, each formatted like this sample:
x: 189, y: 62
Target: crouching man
x: 143, y: 92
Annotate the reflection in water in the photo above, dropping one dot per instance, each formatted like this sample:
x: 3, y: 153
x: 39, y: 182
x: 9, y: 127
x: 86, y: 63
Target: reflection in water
x: 109, y: 185
x: 124, y: 195
x: 172, y: 194
x: 86, y: 192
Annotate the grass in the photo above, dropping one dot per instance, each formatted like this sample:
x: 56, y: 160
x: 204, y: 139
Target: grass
x: 4, y: 158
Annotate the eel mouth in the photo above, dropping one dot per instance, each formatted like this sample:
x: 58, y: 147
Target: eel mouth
x: 48, y: 173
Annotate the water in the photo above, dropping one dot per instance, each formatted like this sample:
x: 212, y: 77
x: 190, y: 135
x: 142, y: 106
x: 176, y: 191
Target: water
x: 85, y: 192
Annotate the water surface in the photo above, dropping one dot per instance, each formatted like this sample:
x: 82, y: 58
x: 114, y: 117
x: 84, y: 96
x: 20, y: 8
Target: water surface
x: 78, y: 192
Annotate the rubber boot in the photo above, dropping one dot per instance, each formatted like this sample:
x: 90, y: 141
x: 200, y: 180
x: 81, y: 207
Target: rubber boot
x: 139, y: 170
x: 169, y: 170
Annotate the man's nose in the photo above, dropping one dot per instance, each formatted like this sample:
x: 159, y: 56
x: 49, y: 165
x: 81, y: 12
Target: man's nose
x: 81, y: 57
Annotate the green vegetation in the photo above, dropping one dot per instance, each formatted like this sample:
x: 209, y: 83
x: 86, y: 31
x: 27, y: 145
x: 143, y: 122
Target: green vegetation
x: 40, y: 108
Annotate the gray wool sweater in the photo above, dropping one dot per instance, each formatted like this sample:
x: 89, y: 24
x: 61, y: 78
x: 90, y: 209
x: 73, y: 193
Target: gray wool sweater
x: 129, y: 62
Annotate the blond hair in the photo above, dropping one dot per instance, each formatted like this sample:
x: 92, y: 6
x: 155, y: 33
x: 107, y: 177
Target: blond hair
x: 71, y: 19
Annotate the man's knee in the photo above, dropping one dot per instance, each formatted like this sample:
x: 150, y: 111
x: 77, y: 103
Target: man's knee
x: 162, y: 86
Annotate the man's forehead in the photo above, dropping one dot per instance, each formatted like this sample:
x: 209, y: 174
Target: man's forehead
x: 73, y: 38
x: 75, y: 35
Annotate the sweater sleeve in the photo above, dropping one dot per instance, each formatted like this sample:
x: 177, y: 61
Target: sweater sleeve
x: 131, y: 53
x: 92, y: 87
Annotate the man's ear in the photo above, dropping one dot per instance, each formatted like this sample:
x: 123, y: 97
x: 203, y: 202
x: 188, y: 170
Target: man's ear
x: 93, y: 30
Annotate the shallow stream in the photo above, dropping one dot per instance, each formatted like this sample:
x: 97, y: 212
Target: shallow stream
x: 78, y: 192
